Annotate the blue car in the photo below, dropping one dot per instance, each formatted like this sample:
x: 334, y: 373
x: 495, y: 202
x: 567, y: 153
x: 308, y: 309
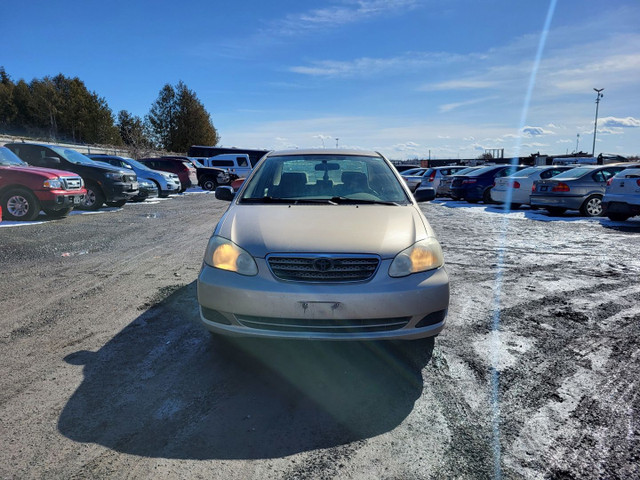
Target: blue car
x: 476, y: 186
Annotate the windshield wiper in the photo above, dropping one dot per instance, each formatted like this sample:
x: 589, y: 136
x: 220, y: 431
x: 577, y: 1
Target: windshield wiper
x: 290, y: 201
x: 362, y: 201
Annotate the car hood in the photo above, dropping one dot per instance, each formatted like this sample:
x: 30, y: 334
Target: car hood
x: 373, y: 229
x: 45, y: 172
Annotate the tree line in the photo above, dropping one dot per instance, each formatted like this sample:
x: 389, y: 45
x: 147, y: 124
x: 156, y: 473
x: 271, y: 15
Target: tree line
x: 61, y: 108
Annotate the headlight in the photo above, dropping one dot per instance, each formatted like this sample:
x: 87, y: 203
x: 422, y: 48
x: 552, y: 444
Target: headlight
x: 114, y: 176
x: 167, y: 175
x: 226, y: 255
x: 420, y: 257
x: 53, y: 183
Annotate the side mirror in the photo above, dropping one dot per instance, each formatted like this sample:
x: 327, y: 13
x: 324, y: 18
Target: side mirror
x: 225, y: 193
x: 51, y: 161
x: 424, y: 194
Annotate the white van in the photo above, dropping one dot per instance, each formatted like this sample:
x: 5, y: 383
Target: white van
x: 231, y: 162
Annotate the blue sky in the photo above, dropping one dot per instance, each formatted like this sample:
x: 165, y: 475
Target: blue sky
x: 406, y: 77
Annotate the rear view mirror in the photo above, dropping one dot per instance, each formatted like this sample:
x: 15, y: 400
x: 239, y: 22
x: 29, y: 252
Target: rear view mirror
x: 323, y: 167
x: 424, y: 194
x: 225, y: 193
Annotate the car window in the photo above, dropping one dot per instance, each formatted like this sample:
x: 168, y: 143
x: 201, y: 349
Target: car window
x: 7, y: 158
x: 242, y: 162
x: 222, y: 163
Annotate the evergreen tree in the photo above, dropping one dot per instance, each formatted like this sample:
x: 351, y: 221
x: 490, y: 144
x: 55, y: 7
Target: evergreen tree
x: 178, y: 119
x: 162, y: 118
x: 8, y: 110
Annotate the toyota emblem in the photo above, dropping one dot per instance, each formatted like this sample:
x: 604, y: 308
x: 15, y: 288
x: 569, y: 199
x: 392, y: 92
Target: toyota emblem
x: 322, y: 264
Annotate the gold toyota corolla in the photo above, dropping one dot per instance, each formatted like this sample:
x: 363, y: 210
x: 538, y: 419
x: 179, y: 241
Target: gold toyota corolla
x: 323, y: 244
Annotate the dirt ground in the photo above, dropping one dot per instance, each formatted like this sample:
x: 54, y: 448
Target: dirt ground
x: 105, y: 371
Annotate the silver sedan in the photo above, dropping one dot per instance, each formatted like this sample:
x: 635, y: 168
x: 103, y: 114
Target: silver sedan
x: 323, y: 244
x: 580, y: 188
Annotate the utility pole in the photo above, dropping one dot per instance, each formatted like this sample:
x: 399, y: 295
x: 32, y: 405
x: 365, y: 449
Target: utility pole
x: 599, y: 95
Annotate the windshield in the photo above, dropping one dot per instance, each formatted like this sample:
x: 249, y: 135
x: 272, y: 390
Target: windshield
x: 73, y: 156
x: 137, y: 164
x: 326, y: 178
x: 480, y: 171
x: 525, y: 172
x: 574, y: 173
x: 8, y: 158
x: 465, y: 171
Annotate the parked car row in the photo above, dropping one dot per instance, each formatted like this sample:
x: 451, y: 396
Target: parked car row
x: 39, y: 177
x: 594, y: 190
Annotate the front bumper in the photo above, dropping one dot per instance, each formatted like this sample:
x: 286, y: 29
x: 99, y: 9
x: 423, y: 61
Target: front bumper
x: 59, y: 199
x: 383, y: 308
x: 121, y: 191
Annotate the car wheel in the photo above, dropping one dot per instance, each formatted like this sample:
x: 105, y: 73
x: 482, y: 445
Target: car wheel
x: 515, y: 206
x: 20, y: 204
x: 161, y: 193
x: 118, y: 204
x: 618, y: 217
x: 486, y: 196
x: 592, y: 206
x: 555, y: 210
x: 94, y: 198
x: 63, y: 212
x: 209, y: 183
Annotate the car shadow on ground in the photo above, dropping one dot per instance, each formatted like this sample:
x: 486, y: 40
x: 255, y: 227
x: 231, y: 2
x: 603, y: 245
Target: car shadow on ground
x: 162, y: 387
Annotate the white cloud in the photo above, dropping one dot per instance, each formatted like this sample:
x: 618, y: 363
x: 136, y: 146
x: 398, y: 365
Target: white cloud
x: 348, y: 12
x: 628, y: 122
x: 452, y: 106
x: 365, y: 66
x: 536, y: 131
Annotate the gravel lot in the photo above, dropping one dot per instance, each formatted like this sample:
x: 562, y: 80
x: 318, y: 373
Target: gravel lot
x: 105, y: 371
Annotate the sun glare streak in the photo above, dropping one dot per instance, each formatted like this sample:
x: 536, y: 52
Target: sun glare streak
x: 495, y: 328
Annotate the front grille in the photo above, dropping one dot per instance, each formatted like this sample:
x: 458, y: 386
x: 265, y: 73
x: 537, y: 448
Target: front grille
x: 323, y: 268
x: 72, y: 183
x: 360, y: 325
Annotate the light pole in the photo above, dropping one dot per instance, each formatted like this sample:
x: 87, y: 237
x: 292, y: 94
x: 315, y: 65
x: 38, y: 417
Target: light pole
x: 599, y: 95
x: 337, y: 142
x: 577, y: 142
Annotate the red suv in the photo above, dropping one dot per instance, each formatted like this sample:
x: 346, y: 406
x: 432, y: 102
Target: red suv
x: 25, y: 190
x: 183, y: 168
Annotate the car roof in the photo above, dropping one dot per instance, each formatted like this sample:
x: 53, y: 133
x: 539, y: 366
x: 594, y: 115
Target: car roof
x: 324, y: 151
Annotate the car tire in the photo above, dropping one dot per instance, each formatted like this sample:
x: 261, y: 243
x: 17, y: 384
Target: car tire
x: 471, y: 200
x: 161, y: 193
x: 618, y: 217
x: 486, y: 196
x: 117, y: 204
x: 94, y: 199
x: 209, y: 183
x: 20, y: 204
x: 555, y: 210
x: 592, y: 206
x: 515, y: 206
x: 61, y: 213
